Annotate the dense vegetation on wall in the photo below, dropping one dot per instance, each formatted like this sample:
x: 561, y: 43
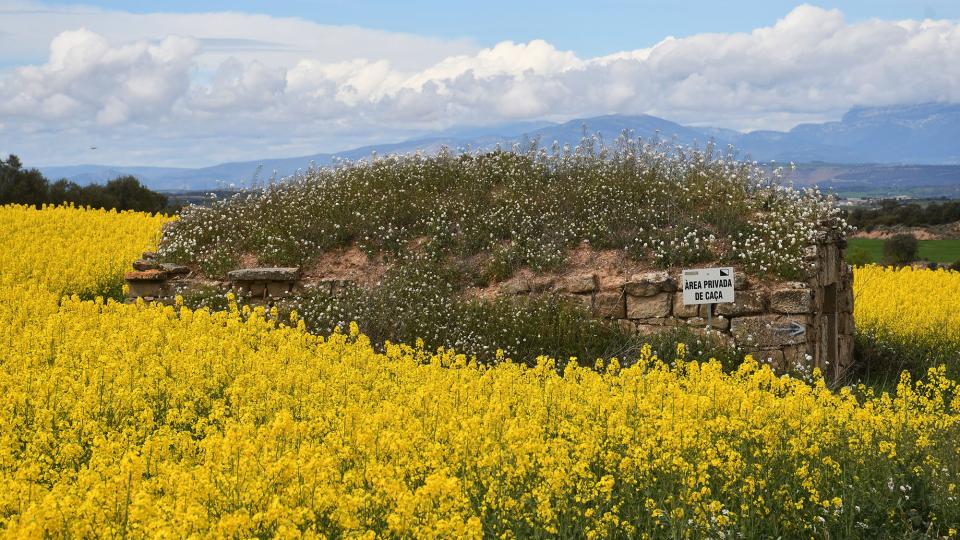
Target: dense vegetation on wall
x: 669, y: 205
x: 19, y: 185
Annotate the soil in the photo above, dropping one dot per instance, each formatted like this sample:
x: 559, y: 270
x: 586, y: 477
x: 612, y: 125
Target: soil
x: 949, y: 231
x: 350, y: 264
x: 611, y: 266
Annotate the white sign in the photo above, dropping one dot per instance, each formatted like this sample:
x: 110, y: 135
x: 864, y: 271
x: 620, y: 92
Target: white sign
x: 707, y: 286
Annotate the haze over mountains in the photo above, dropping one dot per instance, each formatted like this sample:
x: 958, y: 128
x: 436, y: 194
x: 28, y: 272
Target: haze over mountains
x: 925, y: 134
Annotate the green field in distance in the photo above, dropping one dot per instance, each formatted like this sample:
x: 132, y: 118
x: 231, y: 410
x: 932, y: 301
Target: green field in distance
x: 941, y: 251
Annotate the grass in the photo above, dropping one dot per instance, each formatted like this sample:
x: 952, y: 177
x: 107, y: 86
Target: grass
x: 941, y: 251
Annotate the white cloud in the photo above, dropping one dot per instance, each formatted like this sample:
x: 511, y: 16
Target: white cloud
x: 29, y: 26
x: 86, y: 78
x: 212, y: 77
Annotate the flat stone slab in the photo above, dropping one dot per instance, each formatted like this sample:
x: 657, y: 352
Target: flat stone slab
x: 143, y: 265
x: 578, y: 283
x: 146, y: 275
x: 175, y: 269
x: 264, y: 274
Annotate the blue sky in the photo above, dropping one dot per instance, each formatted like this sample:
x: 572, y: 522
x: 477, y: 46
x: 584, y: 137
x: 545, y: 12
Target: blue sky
x: 588, y: 27
x: 179, y: 83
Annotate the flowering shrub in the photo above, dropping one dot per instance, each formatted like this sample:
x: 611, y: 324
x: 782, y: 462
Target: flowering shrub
x: 68, y: 250
x: 669, y: 205
x: 907, y: 318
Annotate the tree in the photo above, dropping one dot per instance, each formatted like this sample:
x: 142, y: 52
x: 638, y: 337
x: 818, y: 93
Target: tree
x: 28, y: 186
x: 127, y: 193
x: 19, y: 185
x: 901, y: 249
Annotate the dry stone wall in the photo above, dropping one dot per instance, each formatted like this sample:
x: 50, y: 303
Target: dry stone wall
x: 792, y: 325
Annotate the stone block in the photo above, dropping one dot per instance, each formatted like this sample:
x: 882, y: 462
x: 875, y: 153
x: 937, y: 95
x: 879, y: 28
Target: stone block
x: 149, y: 255
x: 658, y: 321
x: 768, y: 331
x: 145, y: 288
x: 585, y: 300
x: 682, y: 310
x: 647, y: 307
x: 845, y: 299
x: 175, y: 269
x: 650, y: 329
x: 515, y: 286
x: 740, y: 281
x: 747, y: 303
x: 279, y: 288
x: 253, y: 288
x: 772, y: 357
x: 626, y: 326
x: 578, y: 283
x: 264, y: 274
x: 614, y: 283
x: 609, y: 304
x: 829, y: 268
x: 846, y: 325
x: 718, y: 323
x: 142, y: 265
x: 844, y: 354
x: 792, y: 300
x: 796, y: 355
x: 714, y: 336
x: 146, y: 275
x: 650, y: 283
x: 540, y: 284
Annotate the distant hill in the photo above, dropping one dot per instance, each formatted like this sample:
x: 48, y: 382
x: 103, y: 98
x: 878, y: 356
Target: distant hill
x: 915, y: 134
x: 924, y: 134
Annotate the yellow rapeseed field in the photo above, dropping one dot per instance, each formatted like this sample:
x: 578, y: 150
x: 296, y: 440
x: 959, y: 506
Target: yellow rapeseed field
x: 913, y: 312
x: 144, y: 420
x: 73, y: 251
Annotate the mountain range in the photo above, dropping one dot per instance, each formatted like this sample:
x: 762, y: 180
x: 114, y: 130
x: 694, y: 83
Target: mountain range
x: 873, y: 138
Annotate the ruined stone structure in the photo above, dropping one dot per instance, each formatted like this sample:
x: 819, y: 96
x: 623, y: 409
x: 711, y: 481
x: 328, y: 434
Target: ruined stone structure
x: 803, y: 324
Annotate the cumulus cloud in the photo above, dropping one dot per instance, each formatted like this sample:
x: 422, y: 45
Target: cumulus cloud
x: 86, y: 78
x: 810, y: 65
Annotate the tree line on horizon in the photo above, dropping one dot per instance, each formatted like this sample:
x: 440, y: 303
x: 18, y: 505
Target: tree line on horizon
x: 892, y: 212
x: 19, y: 185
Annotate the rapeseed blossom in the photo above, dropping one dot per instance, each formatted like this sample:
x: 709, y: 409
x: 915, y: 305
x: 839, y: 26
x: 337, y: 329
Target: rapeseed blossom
x: 150, y: 420
x: 68, y: 250
x: 910, y: 314
x: 145, y: 419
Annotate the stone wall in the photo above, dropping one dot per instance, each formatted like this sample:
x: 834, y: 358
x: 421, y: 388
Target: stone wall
x: 792, y: 325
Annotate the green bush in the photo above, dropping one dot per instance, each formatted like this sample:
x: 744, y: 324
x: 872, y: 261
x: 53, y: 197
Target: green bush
x: 901, y: 249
